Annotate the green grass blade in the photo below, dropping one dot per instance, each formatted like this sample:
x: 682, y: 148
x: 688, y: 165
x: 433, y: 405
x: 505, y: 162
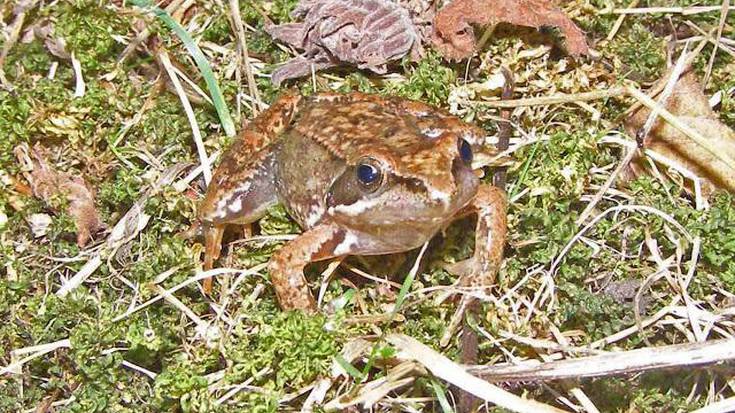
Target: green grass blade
x: 349, y: 368
x: 441, y: 396
x: 201, y: 61
x: 405, y: 288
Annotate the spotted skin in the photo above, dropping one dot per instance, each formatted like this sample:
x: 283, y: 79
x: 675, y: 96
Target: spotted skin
x: 303, y: 152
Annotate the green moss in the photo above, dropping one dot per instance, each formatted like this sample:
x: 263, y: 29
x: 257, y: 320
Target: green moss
x: 429, y: 80
x: 598, y: 315
x: 297, y: 347
x: 641, y: 53
x: 88, y: 29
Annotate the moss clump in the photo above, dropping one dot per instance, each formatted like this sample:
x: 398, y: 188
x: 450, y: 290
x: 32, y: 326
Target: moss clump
x: 88, y: 29
x: 298, y: 348
x: 429, y: 81
x: 640, y: 52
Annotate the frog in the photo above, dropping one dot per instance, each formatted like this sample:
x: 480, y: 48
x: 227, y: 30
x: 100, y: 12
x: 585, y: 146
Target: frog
x: 361, y: 174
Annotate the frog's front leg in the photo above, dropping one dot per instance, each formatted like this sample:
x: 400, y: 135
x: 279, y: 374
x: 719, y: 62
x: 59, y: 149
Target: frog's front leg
x: 481, y: 269
x: 286, y: 266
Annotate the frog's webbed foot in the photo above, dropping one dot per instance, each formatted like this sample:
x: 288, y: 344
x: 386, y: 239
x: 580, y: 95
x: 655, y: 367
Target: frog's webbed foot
x: 481, y: 269
x: 286, y: 266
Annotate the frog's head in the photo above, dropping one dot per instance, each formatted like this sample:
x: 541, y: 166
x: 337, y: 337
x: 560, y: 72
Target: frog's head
x: 416, y: 179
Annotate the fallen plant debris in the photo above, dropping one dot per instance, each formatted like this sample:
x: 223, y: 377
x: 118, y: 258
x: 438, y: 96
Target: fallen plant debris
x: 454, y: 36
x: 367, y: 33
x: 59, y: 188
x: 692, y: 108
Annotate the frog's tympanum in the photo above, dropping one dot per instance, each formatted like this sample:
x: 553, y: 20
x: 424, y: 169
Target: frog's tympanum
x: 362, y: 175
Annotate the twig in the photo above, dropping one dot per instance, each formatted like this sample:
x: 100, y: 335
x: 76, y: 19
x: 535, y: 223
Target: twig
x: 196, y: 133
x: 243, y: 46
x: 124, y: 230
x: 642, y: 208
x: 410, y: 349
x: 654, y: 91
x: 723, y: 406
x: 504, y: 127
x: 613, y: 364
x: 79, y: 87
x: 198, y: 277
x: 35, y: 352
x: 642, y: 138
x: 723, y: 18
x: 673, y: 10
x: 555, y: 99
x: 620, y: 20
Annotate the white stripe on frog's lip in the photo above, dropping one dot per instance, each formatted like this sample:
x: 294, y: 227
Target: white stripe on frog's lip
x: 355, y: 208
x: 440, y: 196
x: 314, y: 215
x: 363, y: 205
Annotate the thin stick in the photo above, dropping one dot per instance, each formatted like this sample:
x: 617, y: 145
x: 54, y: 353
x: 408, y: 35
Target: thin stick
x: 242, y: 44
x: 411, y: 349
x: 197, y: 277
x: 36, y: 352
x: 654, y: 91
x: 723, y: 17
x: 673, y: 10
x: 726, y: 405
x: 79, y: 87
x: 630, y: 154
x: 620, y: 20
x: 196, y: 133
x: 613, y: 364
x: 555, y: 99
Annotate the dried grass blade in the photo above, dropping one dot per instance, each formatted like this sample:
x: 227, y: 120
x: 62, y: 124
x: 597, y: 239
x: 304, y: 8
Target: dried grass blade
x: 201, y: 61
x: 442, y: 367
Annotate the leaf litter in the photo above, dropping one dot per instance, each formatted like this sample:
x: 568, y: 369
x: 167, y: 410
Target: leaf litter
x: 366, y: 33
x: 50, y: 186
x: 454, y: 36
x: 691, y: 106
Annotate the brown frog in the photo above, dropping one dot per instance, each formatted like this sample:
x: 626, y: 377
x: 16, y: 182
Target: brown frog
x: 362, y: 175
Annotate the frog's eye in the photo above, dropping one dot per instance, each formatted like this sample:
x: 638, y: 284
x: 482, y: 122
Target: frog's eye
x: 369, y: 174
x: 465, y: 151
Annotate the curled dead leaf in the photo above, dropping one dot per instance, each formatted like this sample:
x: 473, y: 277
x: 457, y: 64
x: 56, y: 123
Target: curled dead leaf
x: 50, y: 185
x: 454, y: 37
x: 366, y: 33
x: 691, y: 106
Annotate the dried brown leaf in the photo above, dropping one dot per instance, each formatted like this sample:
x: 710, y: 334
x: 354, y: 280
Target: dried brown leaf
x: 49, y: 185
x: 454, y: 37
x: 691, y: 106
x: 366, y: 33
